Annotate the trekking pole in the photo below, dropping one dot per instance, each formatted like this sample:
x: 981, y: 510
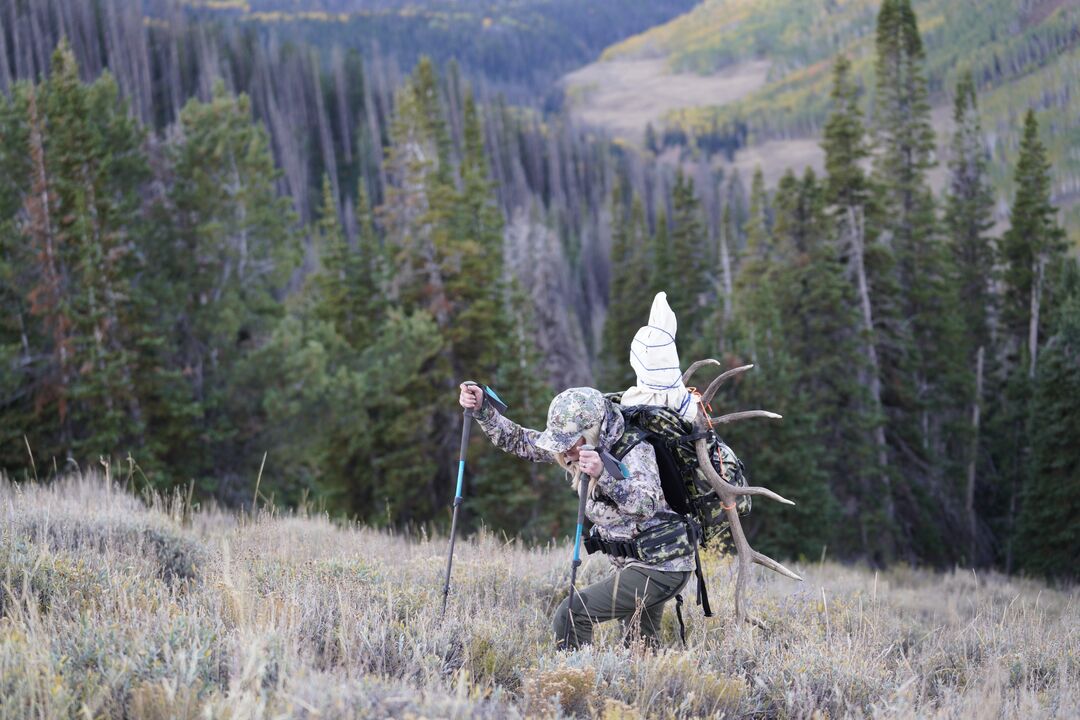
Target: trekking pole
x: 583, y: 494
x: 616, y: 469
x: 466, y: 427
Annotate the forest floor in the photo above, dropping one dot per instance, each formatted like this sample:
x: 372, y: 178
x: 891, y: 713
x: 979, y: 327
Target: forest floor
x: 116, y: 606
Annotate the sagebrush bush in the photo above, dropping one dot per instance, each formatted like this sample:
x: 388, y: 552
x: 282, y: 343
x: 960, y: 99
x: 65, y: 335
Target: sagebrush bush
x: 116, y: 606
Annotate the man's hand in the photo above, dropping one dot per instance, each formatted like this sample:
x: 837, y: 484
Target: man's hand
x: 590, y: 463
x: 472, y: 397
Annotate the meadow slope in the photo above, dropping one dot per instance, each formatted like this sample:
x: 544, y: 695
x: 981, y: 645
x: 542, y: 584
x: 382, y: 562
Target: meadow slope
x: 1023, y: 54
x: 115, y: 606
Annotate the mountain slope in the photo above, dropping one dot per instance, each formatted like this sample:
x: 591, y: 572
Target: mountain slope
x: 1024, y: 54
x: 518, y: 46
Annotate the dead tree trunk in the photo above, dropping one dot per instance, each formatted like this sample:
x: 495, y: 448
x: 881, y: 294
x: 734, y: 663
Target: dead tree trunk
x: 1033, y: 320
x: 725, y: 268
x: 856, y: 230
x: 969, y: 498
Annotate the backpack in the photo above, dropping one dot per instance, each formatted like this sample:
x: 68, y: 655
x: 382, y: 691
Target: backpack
x: 686, y: 489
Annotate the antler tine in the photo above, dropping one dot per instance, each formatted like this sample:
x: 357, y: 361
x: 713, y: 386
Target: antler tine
x: 747, y: 555
x: 697, y: 366
x: 735, y: 490
x: 744, y: 415
x: 707, y: 396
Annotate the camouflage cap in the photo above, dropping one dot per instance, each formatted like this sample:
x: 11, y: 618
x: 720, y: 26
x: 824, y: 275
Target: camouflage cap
x: 570, y: 414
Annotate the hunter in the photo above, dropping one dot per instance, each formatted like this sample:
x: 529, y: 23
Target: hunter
x: 620, y: 508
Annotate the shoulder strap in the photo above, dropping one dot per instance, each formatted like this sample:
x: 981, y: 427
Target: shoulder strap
x: 632, y: 436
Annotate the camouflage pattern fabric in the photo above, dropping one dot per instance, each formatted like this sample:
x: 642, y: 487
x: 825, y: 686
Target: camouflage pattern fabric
x: 570, y: 414
x: 708, y: 510
x: 666, y: 541
x: 623, y: 507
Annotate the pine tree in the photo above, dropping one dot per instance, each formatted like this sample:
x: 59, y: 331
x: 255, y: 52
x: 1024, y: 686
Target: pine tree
x: 757, y: 255
x: 757, y: 224
x: 924, y: 363
x: 333, y: 277
x: 446, y: 230
x: 689, y: 281
x: 1048, y: 538
x: 629, y: 303
x: 969, y: 213
x: 661, y: 273
x: 82, y: 171
x: 1033, y: 243
x: 530, y: 501
x: 232, y: 243
x: 968, y: 216
x: 849, y: 197
x: 650, y: 138
x: 807, y: 346
x: 371, y: 269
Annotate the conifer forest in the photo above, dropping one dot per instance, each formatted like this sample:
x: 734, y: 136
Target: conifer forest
x: 248, y: 251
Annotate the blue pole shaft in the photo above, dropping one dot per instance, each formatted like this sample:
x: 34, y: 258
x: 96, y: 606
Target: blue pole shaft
x: 460, y: 478
x: 466, y: 427
x: 583, y: 494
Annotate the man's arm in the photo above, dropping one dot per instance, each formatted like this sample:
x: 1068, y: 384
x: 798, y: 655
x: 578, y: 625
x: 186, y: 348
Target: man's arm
x: 510, y: 437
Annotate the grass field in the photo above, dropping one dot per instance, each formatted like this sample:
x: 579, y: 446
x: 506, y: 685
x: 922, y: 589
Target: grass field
x: 115, y: 606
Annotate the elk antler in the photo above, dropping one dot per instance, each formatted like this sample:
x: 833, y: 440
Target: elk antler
x: 707, y: 396
x: 729, y: 493
x: 736, y: 416
x: 695, y: 367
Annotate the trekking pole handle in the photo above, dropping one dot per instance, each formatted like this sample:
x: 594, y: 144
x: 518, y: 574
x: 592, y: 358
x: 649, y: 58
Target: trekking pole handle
x: 489, y: 396
x: 468, y: 412
x: 465, y: 428
x: 583, y: 495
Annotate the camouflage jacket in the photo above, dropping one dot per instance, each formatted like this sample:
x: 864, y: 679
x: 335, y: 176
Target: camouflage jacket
x: 624, y: 507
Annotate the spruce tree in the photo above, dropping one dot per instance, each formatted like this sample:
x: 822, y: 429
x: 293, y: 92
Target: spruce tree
x: 969, y: 214
x: 1033, y: 244
x: 757, y: 224
x: 968, y: 217
x: 924, y: 361
x: 333, y: 276
x: 1048, y: 539
x: 689, y: 252
x: 75, y: 268
x: 755, y: 261
x: 807, y: 346
x: 661, y: 274
x: 232, y: 243
x: 629, y: 303
x: 849, y: 198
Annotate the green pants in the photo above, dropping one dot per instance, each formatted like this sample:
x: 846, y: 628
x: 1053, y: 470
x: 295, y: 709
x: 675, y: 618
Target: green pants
x: 635, y: 596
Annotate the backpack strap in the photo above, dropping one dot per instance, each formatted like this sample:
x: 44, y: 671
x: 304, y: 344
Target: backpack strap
x: 702, y: 591
x: 678, y: 614
x: 632, y: 437
x: 693, y: 437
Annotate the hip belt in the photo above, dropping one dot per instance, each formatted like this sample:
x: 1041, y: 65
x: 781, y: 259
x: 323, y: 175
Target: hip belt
x: 669, y: 540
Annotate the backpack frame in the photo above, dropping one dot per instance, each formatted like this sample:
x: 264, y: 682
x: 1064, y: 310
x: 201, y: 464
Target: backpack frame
x: 686, y: 488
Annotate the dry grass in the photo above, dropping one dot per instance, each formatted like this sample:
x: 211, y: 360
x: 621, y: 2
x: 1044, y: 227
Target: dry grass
x: 111, y: 608
x: 623, y: 96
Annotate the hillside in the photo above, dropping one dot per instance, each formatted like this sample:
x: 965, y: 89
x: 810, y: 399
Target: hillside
x: 115, y: 608
x: 1023, y: 54
x: 519, y: 47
